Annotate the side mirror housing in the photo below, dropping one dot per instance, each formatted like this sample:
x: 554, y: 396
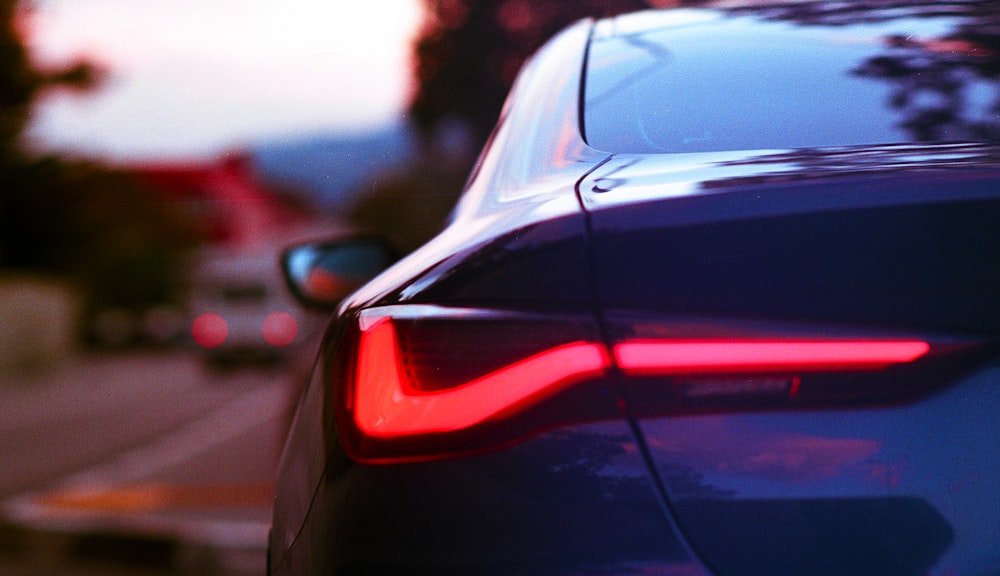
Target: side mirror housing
x: 321, y: 274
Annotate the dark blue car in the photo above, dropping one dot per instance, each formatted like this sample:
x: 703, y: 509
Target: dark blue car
x: 721, y: 297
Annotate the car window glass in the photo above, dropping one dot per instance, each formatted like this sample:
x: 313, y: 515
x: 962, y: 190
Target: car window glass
x: 769, y: 85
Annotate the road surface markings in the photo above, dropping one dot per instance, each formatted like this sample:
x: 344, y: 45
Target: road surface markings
x: 114, y: 495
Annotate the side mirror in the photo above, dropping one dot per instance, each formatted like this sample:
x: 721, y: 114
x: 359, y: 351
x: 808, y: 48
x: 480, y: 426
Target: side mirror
x: 321, y: 274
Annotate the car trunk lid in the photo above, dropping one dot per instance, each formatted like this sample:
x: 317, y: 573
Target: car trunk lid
x: 779, y: 463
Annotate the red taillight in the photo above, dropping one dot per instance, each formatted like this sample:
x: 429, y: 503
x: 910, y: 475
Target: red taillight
x: 754, y: 356
x: 209, y: 330
x: 666, y: 376
x: 388, y: 403
x: 419, y: 382
x: 696, y: 366
x: 280, y: 329
x: 428, y: 382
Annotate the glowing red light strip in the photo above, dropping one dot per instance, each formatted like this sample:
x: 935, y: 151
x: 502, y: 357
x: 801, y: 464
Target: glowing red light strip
x: 687, y: 357
x: 386, y: 405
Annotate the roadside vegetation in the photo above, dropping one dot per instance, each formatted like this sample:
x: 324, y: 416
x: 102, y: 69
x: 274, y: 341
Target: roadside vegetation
x: 91, y: 232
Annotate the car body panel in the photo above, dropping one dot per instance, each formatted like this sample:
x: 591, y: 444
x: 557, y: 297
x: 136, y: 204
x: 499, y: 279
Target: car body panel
x: 909, y: 245
x: 877, y: 242
x: 574, y: 501
x: 909, y: 489
x: 337, y: 514
x: 525, y: 176
x: 863, y: 241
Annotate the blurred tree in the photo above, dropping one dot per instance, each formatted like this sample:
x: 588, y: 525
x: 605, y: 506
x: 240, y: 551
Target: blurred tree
x: 469, y: 51
x: 408, y: 207
x: 465, y: 59
x: 28, y: 184
x: 21, y: 82
x: 95, y: 225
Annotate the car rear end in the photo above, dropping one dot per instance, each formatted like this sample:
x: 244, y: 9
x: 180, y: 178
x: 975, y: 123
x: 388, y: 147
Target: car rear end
x: 789, y: 372
x: 462, y: 417
x: 774, y: 357
x: 811, y: 356
x: 795, y: 251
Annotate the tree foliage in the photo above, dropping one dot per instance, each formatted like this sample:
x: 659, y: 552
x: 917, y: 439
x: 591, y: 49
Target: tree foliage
x: 465, y: 59
x: 34, y: 212
x: 21, y: 82
x: 469, y: 51
x: 93, y: 224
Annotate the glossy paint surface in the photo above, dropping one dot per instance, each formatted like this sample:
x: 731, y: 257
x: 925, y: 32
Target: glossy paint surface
x: 908, y: 249
x: 575, y: 500
x: 903, y: 490
x: 895, y: 238
x: 791, y: 77
x: 838, y: 414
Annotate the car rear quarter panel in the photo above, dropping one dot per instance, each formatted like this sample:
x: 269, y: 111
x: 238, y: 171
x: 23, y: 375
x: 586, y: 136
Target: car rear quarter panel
x: 572, y: 500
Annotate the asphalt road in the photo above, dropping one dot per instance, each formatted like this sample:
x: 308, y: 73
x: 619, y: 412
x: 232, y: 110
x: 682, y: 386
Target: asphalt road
x: 144, y: 463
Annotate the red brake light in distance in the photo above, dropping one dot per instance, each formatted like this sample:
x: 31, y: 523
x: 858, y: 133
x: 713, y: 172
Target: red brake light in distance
x: 280, y: 329
x: 209, y: 330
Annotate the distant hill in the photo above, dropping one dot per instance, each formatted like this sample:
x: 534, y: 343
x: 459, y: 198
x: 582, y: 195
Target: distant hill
x: 332, y: 168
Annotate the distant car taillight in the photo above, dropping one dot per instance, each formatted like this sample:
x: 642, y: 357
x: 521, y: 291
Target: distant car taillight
x: 425, y: 382
x: 280, y: 329
x: 209, y: 330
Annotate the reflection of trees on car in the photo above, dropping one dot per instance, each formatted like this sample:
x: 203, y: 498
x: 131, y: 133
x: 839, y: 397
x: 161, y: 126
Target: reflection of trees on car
x: 938, y: 96
x: 943, y: 84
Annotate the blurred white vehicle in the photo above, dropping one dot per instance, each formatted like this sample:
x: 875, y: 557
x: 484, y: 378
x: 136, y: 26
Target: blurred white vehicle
x: 240, y: 310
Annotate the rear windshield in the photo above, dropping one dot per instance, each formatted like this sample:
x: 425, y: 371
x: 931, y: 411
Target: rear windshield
x: 742, y: 83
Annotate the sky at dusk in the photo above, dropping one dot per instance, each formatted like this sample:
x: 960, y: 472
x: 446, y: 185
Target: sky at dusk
x: 189, y: 78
